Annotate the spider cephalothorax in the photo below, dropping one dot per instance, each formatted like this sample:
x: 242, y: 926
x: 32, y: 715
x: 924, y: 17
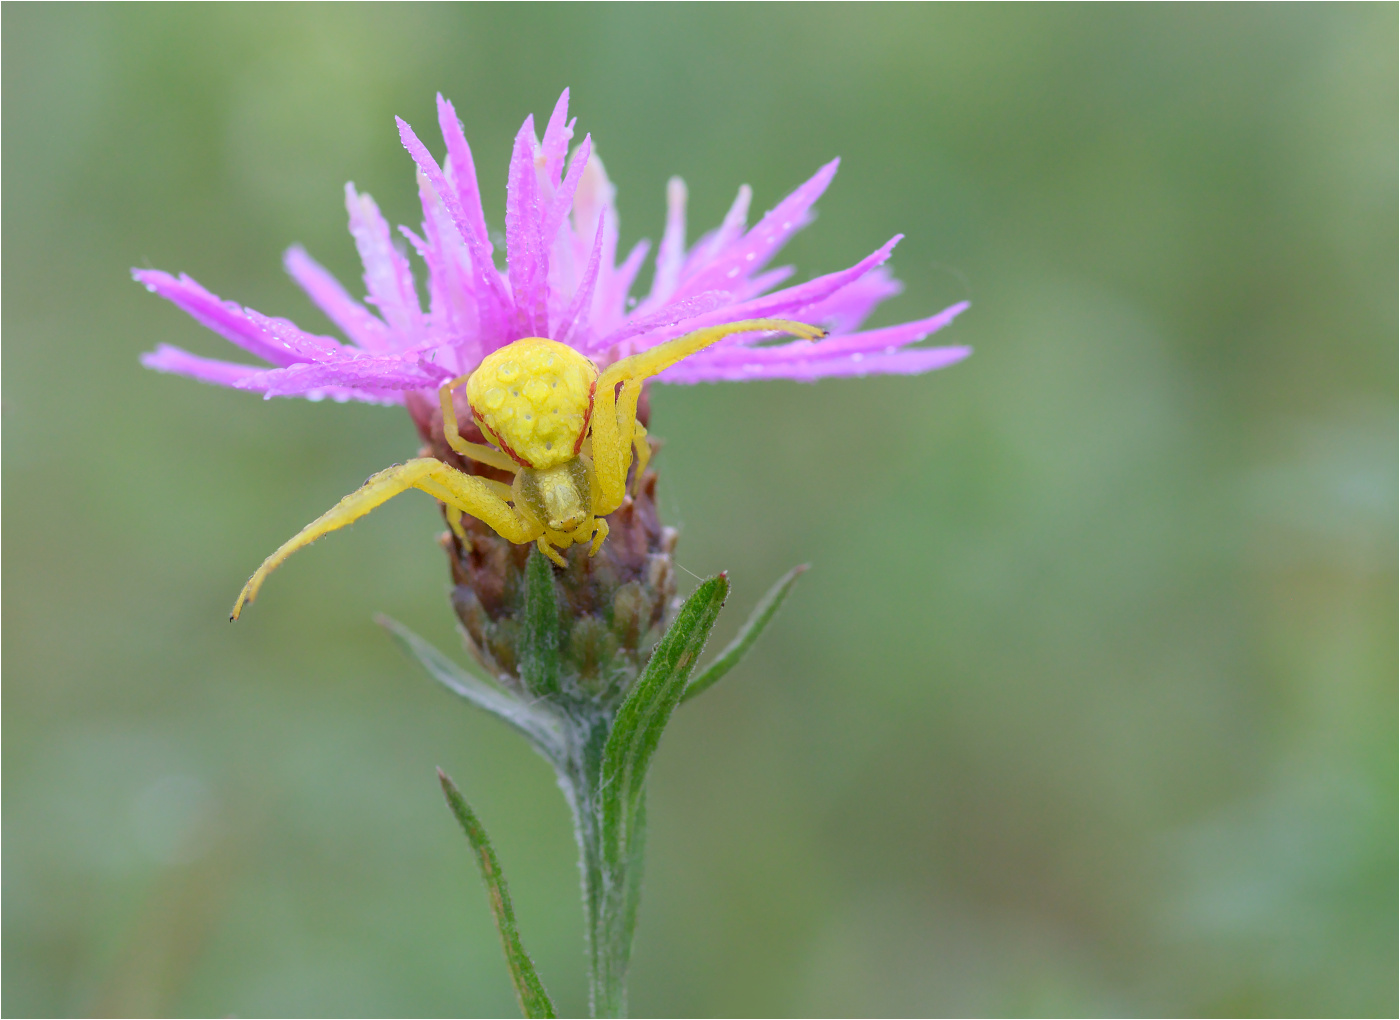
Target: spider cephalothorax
x: 565, y: 431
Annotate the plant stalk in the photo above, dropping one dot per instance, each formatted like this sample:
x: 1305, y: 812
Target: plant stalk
x: 610, y: 866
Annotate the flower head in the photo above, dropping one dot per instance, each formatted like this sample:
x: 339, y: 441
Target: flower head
x: 562, y: 281
x: 553, y: 350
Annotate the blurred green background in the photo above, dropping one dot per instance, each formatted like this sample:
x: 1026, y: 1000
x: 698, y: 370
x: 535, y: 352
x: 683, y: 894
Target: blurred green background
x: 1088, y: 706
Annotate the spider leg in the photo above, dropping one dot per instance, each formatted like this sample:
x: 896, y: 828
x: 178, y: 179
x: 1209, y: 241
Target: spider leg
x: 615, y: 413
x: 476, y: 451
x: 643, y: 453
x: 465, y: 493
x: 614, y: 421
x: 663, y: 356
x: 600, y: 525
x: 501, y: 489
x: 543, y: 545
x: 454, y: 521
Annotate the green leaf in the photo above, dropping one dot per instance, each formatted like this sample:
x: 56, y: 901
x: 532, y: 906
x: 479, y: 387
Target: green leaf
x: 758, y: 620
x: 653, y: 698
x: 534, y: 1000
x: 541, y: 730
x: 538, y: 651
x: 621, y: 788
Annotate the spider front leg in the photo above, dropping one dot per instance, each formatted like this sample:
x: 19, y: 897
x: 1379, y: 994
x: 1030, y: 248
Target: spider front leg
x: 452, y: 512
x: 467, y: 493
x: 614, y: 427
x: 488, y: 455
x: 544, y: 545
x: 454, y: 522
x: 642, y: 449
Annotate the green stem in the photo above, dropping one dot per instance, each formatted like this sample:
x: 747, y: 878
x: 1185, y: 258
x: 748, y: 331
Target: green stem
x: 604, y: 772
x: 611, y: 880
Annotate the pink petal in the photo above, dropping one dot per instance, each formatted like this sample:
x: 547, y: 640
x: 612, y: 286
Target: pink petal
x: 274, y: 340
x: 526, y: 260
x: 564, y: 198
x: 450, y: 277
x: 556, y: 138
x: 886, y: 340
x: 492, y: 300
x: 593, y: 202
x: 166, y: 358
x: 682, y: 310
x: 613, y: 288
x: 709, y: 247
x: 376, y: 372
x: 387, y: 275
x: 769, y: 280
x: 225, y: 373
x: 364, y: 328
x: 851, y: 305
x: 906, y: 362
x: 582, y: 304
x: 462, y: 171
x: 792, y: 303
x: 670, y: 257
x: 752, y: 252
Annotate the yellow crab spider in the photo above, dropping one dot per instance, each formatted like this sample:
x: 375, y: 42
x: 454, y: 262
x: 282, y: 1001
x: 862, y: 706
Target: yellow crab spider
x: 566, y: 433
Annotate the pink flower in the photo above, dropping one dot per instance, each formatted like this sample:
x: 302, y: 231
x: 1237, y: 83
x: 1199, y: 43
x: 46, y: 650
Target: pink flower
x: 562, y: 281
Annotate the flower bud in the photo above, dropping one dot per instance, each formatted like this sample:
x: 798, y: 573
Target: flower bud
x: 613, y: 606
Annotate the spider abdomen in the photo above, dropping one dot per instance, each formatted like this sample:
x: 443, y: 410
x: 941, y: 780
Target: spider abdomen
x: 534, y: 397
